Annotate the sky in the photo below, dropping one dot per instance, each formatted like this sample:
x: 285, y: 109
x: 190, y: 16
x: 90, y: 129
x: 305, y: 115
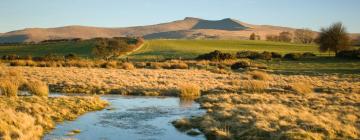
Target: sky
x: 313, y: 14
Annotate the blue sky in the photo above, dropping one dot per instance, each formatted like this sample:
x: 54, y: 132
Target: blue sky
x: 19, y: 14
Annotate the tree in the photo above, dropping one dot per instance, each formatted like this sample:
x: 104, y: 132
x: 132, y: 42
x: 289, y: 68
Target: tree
x: 334, y: 38
x: 305, y: 36
x: 253, y: 36
x: 285, y: 37
x: 272, y: 38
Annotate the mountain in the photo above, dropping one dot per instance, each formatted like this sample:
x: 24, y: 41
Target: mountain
x: 188, y: 28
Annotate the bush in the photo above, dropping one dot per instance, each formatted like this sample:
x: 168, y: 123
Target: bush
x: 18, y: 63
x: 352, y: 54
x: 71, y: 56
x: 189, y: 91
x: 53, y: 57
x: 276, y: 55
x: 38, y: 88
x: 266, y: 55
x: 10, y: 57
x: 216, y: 56
x: 8, y: 88
x: 308, y: 55
x: 240, y: 65
x: 249, y: 54
x: 293, y: 56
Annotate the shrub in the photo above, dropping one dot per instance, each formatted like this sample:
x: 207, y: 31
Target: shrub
x: 8, y: 88
x: 293, y: 56
x: 249, y: 54
x: 308, y: 55
x: 38, y: 88
x: 216, y: 56
x: 259, y: 75
x: 189, y: 91
x: 276, y: 55
x: 10, y: 57
x: 351, y: 54
x: 127, y: 66
x: 71, y: 56
x: 18, y: 63
x: 266, y: 55
x: 240, y: 65
x: 53, y: 57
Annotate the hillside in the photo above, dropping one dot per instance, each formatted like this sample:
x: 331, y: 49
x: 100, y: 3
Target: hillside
x: 188, y: 28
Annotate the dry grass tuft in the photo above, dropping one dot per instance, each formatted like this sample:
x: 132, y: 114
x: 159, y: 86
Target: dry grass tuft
x: 253, y: 85
x: 28, y: 118
x: 179, y: 65
x: 301, y: 88
x: 8, y: 88
x: 127, y: 66
x: 38, y: 88
x: 278, y: 116
x: 259, y: 75
x: 189, y: 91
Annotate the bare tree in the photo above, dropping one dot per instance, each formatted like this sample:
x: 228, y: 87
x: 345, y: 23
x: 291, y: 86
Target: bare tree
x: 334, y: 38
x: 305, y: 36
x: 285, y: 37
x: 253, y: 36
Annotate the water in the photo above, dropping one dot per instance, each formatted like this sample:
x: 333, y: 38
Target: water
x: 131, y: 118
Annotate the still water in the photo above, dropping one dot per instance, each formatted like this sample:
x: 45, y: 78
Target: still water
x: 131, y: 118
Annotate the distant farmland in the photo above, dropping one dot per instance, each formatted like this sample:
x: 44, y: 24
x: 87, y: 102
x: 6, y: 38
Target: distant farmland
x: 159, y: 49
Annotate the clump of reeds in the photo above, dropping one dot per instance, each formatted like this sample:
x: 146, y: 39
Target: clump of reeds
x: 189, y: 91
x: 37, y: 88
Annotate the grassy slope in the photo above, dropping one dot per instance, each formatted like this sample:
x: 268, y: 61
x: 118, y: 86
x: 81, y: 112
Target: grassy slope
x: 161, y: 48
x: 154, y: 49
x: 83, y: 48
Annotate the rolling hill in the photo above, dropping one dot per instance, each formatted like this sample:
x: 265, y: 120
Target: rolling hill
x: 188, y: 28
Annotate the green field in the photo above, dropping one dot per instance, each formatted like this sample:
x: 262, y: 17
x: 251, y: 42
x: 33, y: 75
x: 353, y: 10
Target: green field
x: 83, y: 48
x: 159, y: 49
x: 154, y: 49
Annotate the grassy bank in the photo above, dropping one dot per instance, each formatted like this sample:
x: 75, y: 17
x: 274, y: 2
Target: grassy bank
x: 277, y: 116
x: 30, y: 117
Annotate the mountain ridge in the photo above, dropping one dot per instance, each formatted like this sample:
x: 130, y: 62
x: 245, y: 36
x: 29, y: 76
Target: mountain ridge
x: 187, y: 28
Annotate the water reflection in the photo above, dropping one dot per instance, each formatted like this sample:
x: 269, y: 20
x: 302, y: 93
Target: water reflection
x: 132, y: 118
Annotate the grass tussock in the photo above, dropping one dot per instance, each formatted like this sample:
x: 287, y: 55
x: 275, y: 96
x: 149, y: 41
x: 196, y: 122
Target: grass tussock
x: 30, y: 117
x: 253, y: 85
x: 189, y: 91
x: 127, y: 66
x: 38, y: 88
x: 259, y: 75
x: 278, y: 116
x: 301, y: 88
x: 8, y: 88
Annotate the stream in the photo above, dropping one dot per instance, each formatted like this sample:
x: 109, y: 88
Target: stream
x: 130, y: 118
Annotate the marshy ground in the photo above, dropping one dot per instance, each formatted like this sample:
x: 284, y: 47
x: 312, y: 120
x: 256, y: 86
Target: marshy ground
x: 239, y: 105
